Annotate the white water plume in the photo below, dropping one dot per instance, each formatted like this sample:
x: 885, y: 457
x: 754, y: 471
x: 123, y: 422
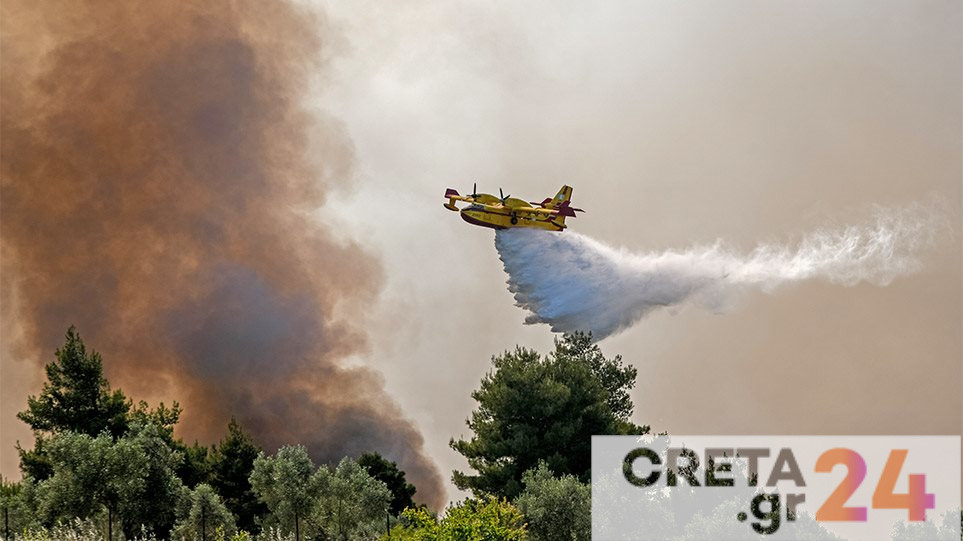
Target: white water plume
x: 572, y: 282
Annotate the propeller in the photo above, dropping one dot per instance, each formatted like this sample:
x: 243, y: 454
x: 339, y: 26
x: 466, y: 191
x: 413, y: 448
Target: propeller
x: 503, y: 196
x: 474, y: 190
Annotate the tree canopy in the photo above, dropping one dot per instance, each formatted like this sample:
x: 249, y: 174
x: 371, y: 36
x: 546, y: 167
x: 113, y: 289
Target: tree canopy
x: 353, y: 504
x: 106, y: 464
x: 289, y: 485
x: 91, y: 474
x: 202, y: 513
x: 231, y: 463
x: 77, y: 396
x: 556, y: 508
x: 488, y: 519
x: 17, y: 505
x: 388, y: 473
x: 533, y: 408
x: 157, y: 512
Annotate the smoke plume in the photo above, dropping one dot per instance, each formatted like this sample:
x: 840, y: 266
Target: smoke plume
x: 159, y: 169
x: 572, y: 282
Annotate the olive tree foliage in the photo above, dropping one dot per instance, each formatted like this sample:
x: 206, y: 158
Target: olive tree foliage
x: 945, y: 528
x: 18, y: 504
x: 131, y: 480
x: 353, y: 504
x: 90, y: 475
x: 290, y: 486
x: 156, y: 512
x: 202, y: 514
x: 555, y: 508
x: 191, y: 465
x: 533, y: 408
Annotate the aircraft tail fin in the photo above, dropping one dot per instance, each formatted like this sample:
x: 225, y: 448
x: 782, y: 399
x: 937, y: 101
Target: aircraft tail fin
x: 564, y: 195
x: 562, y: 202
x: 451, y: 194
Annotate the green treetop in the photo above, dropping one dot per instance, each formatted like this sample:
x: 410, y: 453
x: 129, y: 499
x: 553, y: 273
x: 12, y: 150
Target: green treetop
x: 289, y: 485
x: 353, y: 505
x: 556, y: 508
x: 232, y: 462
x: 532, y: 408
x: 93, y: 474
x: 388, y: 473
x: 76, y: 396
x: 203, y: 515
x: 489, y: 519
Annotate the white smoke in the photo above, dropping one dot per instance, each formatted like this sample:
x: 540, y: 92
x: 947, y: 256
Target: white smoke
x: 572, y: 282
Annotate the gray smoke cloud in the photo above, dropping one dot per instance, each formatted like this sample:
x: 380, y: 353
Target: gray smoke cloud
x: 159, y: 173
x: 572, y: 282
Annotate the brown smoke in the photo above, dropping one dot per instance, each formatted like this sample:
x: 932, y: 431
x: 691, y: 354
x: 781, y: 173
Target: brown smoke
x: 159, y: 169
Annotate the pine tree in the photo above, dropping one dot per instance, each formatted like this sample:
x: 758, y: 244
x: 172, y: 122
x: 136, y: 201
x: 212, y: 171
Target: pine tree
x: 75, y: 398
x: 231, y: 464
x: 388, y: 473
x: 532, y: 408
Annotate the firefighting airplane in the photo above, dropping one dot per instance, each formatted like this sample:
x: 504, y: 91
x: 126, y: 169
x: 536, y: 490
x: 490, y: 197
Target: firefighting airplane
x: 506, y: 211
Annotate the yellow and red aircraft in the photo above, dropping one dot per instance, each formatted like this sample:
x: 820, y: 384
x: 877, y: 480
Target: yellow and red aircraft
x: 505, y: 211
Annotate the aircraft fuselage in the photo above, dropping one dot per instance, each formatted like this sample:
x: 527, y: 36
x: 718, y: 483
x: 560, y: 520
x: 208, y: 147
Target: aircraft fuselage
x: 503, y: 218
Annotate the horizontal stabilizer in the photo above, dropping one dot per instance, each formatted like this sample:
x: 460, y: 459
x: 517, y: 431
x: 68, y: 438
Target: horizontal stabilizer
x: 565, y: 209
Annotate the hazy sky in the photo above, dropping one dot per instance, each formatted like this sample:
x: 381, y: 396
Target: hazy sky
x: 677, y: 124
